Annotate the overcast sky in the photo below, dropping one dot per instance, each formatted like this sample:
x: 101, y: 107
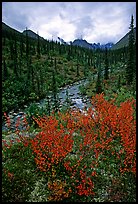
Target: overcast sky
x: 93, y: 21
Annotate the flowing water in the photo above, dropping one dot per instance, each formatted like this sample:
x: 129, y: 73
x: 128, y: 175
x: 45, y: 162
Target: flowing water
x: 72, y: 93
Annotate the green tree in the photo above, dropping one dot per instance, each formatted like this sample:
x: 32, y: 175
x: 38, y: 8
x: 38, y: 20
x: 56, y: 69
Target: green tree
x: 55, y: 64
x: 78, y: 74
x: 106, y: 70
x: 15, y: 58
x: 54, y: 87
x: 11, y: 48
x: 98, y: 82
x: 5, y: 71
x: 27, y: 45
x: 85, y: 70
x: 32, y: 74
x: 21, y: 47
x: 119, y: 83
x: 130, y: 68
x: 38, y: 46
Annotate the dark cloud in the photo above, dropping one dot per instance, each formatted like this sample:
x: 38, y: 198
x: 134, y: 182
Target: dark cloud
x: 82, y: 25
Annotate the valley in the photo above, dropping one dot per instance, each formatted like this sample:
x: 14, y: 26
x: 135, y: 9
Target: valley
x: 68, y: 119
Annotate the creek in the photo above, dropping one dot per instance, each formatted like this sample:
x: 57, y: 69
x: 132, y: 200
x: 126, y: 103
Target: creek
x: 70, y: 93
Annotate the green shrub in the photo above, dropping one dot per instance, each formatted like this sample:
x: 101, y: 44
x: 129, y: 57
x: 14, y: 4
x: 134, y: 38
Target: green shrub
x: 19, y: 173
x: 123, y: 95
x: 34, y: 111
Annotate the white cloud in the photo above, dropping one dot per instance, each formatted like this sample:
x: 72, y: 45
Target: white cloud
x: 95, y: 21
x: 59, y: 27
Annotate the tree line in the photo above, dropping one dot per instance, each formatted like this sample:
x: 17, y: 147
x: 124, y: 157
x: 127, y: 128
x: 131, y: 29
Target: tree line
x: 31, y: 68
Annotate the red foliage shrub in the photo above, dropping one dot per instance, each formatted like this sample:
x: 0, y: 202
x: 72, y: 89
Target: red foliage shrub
x: 100, y: 131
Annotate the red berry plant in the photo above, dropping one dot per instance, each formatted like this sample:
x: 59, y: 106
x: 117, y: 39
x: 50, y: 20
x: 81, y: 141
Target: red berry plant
x: 83, y: 152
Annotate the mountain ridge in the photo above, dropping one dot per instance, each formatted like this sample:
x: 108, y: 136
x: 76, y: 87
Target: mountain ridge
x: 84, y: 43
x: 32, y: 34
x: 123, y: 42
x: 77, y: 42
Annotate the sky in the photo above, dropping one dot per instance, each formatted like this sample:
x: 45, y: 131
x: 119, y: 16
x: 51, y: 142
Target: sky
x: 96, y: 22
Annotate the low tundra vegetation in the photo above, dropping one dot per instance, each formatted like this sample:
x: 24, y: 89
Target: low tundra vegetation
x: 74, y: 156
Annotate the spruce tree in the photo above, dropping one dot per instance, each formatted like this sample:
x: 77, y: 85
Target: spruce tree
x: 119, y: 83
x: 32, y: 75
x: 5, y: 71
x: 85, y: 70
x: 21, y: 50
x: 27, y: 45
x: 130, y: 68
x: 38, y: 46
x: 21, y: 47
x: 54, y: 87
x: 78, y: 74
x: 68, y: 54
x: 28, y: 65
x: 15, y: 58
x: 106, y: 71
x: 55, y: 64
x: 42, y: 77
x: 11, y: 49
x: 98, y: 82
x: 38, y: 86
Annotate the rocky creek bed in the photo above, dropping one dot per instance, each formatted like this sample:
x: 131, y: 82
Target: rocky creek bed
x: 70, y: 92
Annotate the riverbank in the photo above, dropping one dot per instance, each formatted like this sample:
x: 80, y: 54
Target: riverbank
x: 69, y: 95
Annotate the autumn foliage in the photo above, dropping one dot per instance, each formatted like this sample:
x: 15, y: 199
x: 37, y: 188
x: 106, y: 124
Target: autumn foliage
x: 72, y: 145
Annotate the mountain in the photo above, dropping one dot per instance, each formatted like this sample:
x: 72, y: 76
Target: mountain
x: 8, y: 30
x: 85, y: 44
x: 78, y: 42
x: 123, y: 42
x: 35, y: 36
x: 61, y: 41
x: 32, y: 34
x: 58, y: 40
x: 81, y: 43
x: 107, y: 45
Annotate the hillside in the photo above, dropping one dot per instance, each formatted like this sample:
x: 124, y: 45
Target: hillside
x: 123, y: 42
x: 35, y: 67
x: 7, y: 31
x: 32, y: 68
x: 32, y: 34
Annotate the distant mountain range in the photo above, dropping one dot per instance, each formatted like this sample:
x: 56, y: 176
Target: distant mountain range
x: 123, y: 42
x: 77, y: 42
x: 84, y: 43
